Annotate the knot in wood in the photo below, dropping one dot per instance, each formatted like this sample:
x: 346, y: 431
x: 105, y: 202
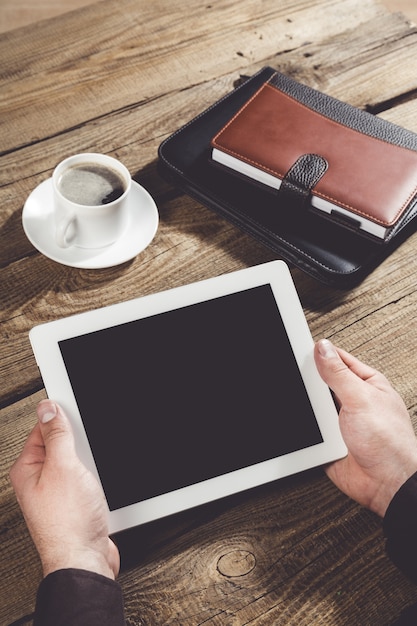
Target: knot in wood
x: 236, y: 563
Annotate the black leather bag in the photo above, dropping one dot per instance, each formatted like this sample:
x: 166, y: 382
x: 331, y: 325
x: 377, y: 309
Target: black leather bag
x: 324, y: 249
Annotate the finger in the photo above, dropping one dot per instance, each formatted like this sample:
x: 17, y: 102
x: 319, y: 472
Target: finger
x: 356, y: 366
x: 340, y: 370
x: 30, y: 459
x: 56, y: 432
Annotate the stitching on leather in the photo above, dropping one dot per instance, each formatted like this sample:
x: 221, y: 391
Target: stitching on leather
x: 219, y: 200
x: 281, y: 175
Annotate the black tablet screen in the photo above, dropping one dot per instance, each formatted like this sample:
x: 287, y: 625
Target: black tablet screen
x: 183, y: 396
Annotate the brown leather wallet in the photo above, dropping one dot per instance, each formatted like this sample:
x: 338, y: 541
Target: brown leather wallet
x: 335, y: 255
x: 325, y: 153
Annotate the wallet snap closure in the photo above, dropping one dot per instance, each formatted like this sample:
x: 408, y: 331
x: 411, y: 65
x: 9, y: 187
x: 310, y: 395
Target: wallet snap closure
x: 302, y: 177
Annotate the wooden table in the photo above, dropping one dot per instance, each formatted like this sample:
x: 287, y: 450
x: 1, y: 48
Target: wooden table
x: 118, y: 77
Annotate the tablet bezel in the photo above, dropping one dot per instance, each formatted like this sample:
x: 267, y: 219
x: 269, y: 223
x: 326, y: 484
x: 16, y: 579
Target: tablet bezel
x: 45, y: 340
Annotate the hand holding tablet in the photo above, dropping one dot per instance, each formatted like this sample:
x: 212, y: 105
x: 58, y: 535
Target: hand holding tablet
x: 192, y: 394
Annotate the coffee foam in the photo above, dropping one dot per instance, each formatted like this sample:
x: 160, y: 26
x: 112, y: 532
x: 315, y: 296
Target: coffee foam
x: 91, y: 184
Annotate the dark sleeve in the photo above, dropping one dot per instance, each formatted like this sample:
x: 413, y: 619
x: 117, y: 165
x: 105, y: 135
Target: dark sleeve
x: 72, y: 597
x: 400, y: 528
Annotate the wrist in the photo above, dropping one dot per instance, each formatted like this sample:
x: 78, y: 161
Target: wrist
x: 83, y: 559
x: 389, y: 489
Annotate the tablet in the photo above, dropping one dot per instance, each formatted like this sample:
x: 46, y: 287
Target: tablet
x: 192, y: 394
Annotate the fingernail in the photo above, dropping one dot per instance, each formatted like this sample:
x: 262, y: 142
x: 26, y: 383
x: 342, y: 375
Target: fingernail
x: 326, y: 348
x: 47, y: 411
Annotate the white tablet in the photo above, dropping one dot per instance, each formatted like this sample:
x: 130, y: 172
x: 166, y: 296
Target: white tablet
x: 192, y: 394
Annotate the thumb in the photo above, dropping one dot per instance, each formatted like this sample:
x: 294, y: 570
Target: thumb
x: 56, y: 431
x: 335, y: 372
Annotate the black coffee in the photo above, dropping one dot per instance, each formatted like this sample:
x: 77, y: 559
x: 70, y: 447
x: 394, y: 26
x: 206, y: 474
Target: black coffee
x: 91, y: 184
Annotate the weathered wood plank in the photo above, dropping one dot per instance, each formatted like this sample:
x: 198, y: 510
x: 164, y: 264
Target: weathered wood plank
x: 28, y: 302
x: 68, y: 80
x: 184, y: 224
x: 359, y: 66
x: 310, y: 551
x: 296, y: 552
x: 359, y: 321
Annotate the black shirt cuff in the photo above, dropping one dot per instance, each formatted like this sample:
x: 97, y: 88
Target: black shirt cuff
x: 400, y: 528
x: 74, y: 596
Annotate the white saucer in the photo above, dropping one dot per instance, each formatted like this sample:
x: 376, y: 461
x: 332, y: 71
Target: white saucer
x: 38, y: 224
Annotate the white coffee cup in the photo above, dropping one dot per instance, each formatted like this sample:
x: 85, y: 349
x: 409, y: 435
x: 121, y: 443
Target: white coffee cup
x: 90, y: 200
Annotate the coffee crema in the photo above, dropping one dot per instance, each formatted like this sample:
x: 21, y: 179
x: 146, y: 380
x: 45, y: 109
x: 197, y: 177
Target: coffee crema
x: 91, y: 184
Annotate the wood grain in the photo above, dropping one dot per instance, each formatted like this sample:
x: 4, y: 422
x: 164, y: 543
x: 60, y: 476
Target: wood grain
x: 118, y: 79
